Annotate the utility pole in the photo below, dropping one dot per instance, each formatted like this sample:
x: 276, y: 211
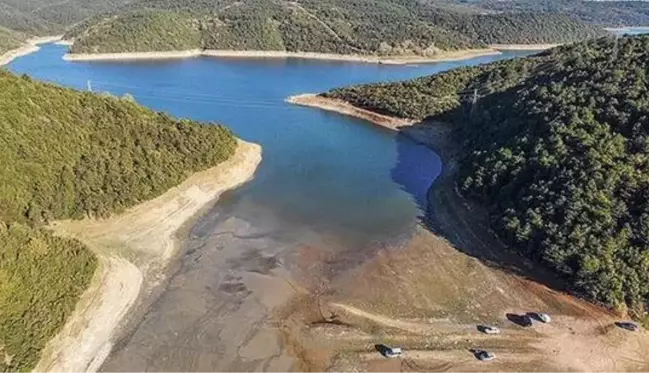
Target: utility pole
x: 89, y: 84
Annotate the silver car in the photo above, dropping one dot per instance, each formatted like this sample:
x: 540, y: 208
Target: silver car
x: 483, y: 355
x: 487, y: 329
x: 544, y: 317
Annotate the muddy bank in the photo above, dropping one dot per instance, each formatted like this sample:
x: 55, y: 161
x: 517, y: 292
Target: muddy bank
x: 397, y: 60
x: 134, y: 249
x: 30, y: 46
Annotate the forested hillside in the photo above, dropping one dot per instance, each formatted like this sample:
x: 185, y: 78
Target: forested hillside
x: 606, y: 13
x: 67, y: 154
x: 557, y: 147
x: 377, y: 27
x: 9, y: 40
x: 44, y: 17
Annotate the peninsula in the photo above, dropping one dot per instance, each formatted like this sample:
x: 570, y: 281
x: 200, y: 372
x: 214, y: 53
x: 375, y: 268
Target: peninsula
x: 96, y: 190
x: 567, y: 168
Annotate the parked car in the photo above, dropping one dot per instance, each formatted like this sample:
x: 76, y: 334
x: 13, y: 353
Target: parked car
x: 487, y: 329
x: 393, y: 352
x: 525, y: 320
x: 544, y: 317
x: 483, y: 355
x: 520, y: 319
x: 631, y: 326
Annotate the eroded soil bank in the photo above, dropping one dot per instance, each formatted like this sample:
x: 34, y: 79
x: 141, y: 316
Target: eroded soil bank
x: 429, y: 296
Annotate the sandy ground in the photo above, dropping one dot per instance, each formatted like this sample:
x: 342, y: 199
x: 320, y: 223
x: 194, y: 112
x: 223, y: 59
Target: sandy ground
x: 523, y: 47
x: 67, y: 43
x: 629, y: 28
x: 339, y: 106
x: 429, y: 297
x: 30, y: 46
x: 444, y: 56
x: 134, y: 248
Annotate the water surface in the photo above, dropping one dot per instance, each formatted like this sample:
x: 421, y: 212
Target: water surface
x: 323, y: 170
x: 330, y: 189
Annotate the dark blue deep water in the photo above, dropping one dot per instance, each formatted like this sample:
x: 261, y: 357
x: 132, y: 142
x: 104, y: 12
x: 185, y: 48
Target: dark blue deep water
x: 342, y: 178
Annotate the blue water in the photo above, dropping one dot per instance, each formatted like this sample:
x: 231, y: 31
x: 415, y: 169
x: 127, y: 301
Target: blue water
x: 340, y: 177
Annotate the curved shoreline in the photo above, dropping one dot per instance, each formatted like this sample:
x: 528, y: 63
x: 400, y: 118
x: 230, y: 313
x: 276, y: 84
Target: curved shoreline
x: 445, y: 56
x: 343, y: 107
x: 29, y: 46
x: 456, y: 234
x: 134, y: 249
x: 523, y: 47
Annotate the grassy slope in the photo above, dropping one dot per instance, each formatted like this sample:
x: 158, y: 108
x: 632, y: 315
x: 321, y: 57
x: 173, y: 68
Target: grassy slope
x: 556, y: 149
x: 384, y: 27
x: 67, y: 154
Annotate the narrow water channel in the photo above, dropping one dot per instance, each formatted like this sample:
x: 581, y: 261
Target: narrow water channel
x: 331, y: 190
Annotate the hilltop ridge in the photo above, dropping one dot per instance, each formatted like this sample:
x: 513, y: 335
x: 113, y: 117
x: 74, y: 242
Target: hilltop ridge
x: 358, y: 27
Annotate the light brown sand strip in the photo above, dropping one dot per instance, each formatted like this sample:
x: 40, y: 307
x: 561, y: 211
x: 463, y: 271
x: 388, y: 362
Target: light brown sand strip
x: 30, y: 46
x: 442, y: 56
x: 523, y: 47
x: 342, y: 107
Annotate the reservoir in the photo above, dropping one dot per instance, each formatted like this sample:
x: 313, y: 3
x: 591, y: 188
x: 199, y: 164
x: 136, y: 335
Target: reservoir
x: 330, y: 190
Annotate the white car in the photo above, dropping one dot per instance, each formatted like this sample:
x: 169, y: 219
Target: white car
x: 544, y: 317
x: 393, y: 352
x: 489, y: 329
x: 484, y: 355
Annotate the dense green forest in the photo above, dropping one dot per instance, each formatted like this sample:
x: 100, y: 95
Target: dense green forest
x: 557, y: 147
x: 377, y: 27
x: 44, y: 17
x: 605, y: 13
x: 68, y: 154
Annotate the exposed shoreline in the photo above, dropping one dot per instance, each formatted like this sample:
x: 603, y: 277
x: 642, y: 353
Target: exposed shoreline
x: 445, y: 56
x: 30, y: 46
x: 343, y: 107
x: 457, y: 239
x: 523, y: 47
x: 627, y: 28
x: 134, y: 249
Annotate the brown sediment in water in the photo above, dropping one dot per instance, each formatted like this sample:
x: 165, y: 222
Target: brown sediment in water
x: 134, y: 249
